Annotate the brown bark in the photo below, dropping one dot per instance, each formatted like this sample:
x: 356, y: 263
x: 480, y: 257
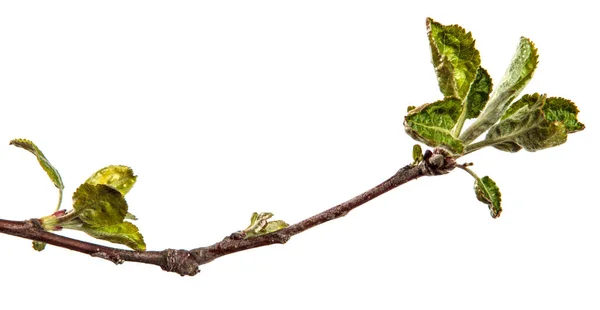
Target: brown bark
x: 187, y: 262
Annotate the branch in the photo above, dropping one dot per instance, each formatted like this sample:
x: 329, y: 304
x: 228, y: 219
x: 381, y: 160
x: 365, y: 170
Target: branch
x: 187, y: 262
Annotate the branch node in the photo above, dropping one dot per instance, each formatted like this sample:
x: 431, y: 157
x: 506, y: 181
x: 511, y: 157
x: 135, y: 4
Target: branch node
x: 181, y: 262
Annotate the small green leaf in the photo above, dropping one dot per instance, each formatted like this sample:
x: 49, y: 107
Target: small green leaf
x: 488, y: 192
x: 259, y: 225
x: 44, y: 162
x: 122, y: 233
x: 417, y: 154
x: 454, y: 57
x: 99, y: 205
x: 39, y: 246
x: 525, y: 125
x: 515, y: 79
x: 432, y: 124
x: 120, y: 178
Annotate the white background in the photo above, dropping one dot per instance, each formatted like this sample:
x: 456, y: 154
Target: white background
x: 225, y: 108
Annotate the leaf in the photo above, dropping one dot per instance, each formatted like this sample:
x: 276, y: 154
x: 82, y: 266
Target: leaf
x: 532, y: 101
x: 45, y: 163
x: 122, y: 233
x: 260, y: 226
x: 454, y: 57
x: 274, y: 226
x: 417, y: 154
x: 432, y: 124
x: 488, y: 192
x: 518, y: 74
x: 120, y: 178
x: 479, y: 93
x: 526, y: 125
x: 99, y: 205
x: 39, y: 246
x: 563, y: 110
x: 50, y: 170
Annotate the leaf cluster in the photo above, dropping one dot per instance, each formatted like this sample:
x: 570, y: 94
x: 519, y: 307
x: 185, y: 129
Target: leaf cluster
x: 534, y: 122
x: 99, y: 206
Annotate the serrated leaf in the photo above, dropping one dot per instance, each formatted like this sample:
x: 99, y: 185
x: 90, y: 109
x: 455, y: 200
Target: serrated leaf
x: 454, y: 57
x: 479, y: 93
x: 563, y: 110
x: 488, y: 192
x: 122, y: 233
x: 50, y: 170
x: 99, y: 205
x: 525, y: 126
x: 555, y: 109
x: 120, y: 178
x: 432, y: 124
x: 518, y: 74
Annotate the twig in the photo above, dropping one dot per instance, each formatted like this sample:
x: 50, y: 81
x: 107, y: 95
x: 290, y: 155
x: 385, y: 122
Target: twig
x: 187, y: 262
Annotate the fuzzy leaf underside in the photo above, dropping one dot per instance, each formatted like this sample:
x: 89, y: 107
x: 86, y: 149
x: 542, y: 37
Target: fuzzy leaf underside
x: 527, y: 128
x: 518, y: 74
x: 535, y: 122
x: 454, y: 57
x: 44, y: 162
x: 488, y: 192
x: 432, y: 124
x: 120, y: 178
x: 124, y: 233
x: 479, y: 93
x: 99, y: 205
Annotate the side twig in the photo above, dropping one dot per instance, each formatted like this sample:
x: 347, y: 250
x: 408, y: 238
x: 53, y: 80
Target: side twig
x: 187, y: 262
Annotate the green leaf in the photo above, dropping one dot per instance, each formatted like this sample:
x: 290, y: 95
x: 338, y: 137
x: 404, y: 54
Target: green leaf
x: 525, y: 125
x: 515, y: 79
x: 274, y: 226
x: 432, y: 124
x: 454, y: 57
x: 417, y: 154
x: 99, y: 205
x: 120, y: 178
x: 488, y: 192
x: 259, y: 225
x: 479, y: 93
x: 122, y: 233
x: 50, y: 170
x: 39, y: 246
x: 532, y: 101
x: 563, y: 110
x: 44, y: 162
